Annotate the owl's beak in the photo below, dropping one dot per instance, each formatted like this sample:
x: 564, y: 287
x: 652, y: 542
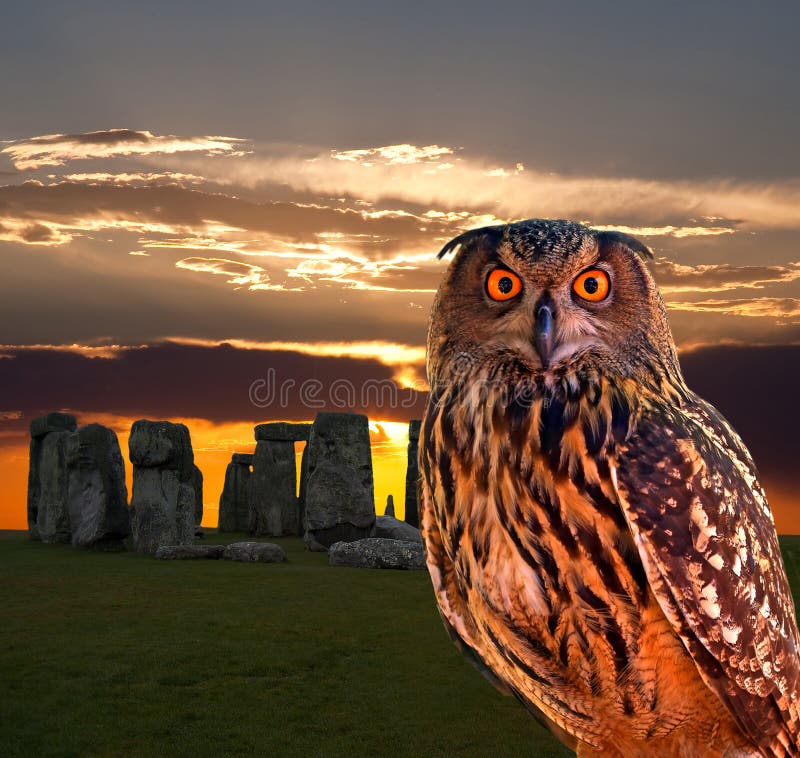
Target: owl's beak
x: 544, y: 330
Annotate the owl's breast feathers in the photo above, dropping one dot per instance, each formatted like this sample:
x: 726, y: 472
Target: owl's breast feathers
x: 605, y: 551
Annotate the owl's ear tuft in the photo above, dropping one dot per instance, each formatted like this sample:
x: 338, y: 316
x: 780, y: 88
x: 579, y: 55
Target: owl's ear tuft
x: 466, y: 238
x: 620, y: 238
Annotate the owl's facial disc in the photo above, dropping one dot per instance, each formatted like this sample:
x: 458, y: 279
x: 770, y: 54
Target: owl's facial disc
x: 542, y: 297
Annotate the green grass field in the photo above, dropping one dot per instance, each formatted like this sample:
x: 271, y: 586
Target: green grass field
x: 120, y: 654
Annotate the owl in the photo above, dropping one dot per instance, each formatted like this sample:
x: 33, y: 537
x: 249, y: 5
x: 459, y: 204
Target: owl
x: 597, y: 538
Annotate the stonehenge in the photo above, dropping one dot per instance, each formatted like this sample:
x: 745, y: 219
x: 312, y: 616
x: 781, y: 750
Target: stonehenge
x: 412, y: 474
x: 339, y: 495
x: 97, y: 496
x: 234, y: 502
x: 48, y: 513
x: 76, y: 484
x: 77, y: 491
x: 274, y: 507
x: 163, y: 499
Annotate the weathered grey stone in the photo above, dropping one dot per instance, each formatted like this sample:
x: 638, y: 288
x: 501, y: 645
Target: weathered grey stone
x: 393, y: 529
x: 189, y: 552
x: 40, y: 427
x: 52, y: 511
x: 265, y: 552
x: 184, y: 514
x: 282, y: 431
x: 273, y: 490
x: 412, y: 473
x: 378, y: 553
x: 97, y: 494
x: 197, y: 483
x: 52, y: 422
x: 234, y: 502
x: 161, y: 443
x: 389, y: 506
x: 163, y: 500
x: 339, y: 497
x: 154, y: 508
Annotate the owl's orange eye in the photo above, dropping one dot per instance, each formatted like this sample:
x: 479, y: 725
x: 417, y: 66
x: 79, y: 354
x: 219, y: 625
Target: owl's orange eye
x: 502, y: 284
x: 592, y: 285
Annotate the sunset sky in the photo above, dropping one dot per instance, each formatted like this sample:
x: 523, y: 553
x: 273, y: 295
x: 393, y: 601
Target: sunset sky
x: 198, y: 197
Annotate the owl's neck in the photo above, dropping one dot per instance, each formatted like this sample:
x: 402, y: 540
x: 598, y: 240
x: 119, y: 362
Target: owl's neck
x: 559, y: 415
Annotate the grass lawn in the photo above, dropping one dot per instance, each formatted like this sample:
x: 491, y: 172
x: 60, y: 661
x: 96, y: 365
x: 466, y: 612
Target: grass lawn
x: 119, y: 654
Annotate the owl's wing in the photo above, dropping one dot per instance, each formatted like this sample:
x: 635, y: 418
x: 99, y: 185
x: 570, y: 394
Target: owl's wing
x: 688, y: 488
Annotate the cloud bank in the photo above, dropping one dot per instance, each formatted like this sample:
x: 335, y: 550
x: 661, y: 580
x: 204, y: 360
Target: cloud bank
x: 58, y: 149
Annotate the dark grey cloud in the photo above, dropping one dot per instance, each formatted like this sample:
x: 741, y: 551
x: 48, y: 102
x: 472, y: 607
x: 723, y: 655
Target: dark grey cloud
x: 213, y: 383
x: 753, y: 387
x: 103, y: 137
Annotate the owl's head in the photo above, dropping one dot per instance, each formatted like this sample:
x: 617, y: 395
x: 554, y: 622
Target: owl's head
x: 549, y: 295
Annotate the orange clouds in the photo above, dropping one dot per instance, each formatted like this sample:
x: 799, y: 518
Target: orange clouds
x: 679, y: 232
x: 417, y: 175
x: 393, y: 155
x: 755, y: 307
x: 58, y: 149
x: 357, y: 225
x: 240, y: 274
x: 140, y: 177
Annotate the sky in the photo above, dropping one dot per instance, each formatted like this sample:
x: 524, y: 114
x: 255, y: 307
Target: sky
x: 226, y: 214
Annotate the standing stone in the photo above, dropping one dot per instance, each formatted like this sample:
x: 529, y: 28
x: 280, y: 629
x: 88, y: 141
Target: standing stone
x: 234, y: 503
x: 197, y: 482
x: 274, y: 509
x: 273, y: 488
x: 97, y: 493
x: 163, y: 501
x: 340, y: 496
x: 389, y: 511
x: 412, y: 474
x: 48, y: 513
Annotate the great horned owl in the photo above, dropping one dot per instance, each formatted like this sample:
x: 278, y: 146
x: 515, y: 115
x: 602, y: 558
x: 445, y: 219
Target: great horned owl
x: 597, y: 538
